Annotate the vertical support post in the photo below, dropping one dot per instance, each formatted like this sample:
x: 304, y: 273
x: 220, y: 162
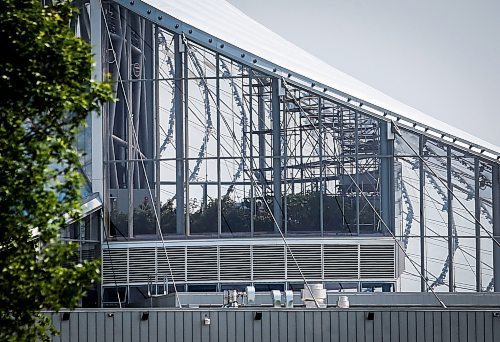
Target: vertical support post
x: 421, y: 168
x: 156, y: 115
x: 387, y: 174
x: 186, y: 139
x: 477, y: 214
x: 321, y: 185
x: 96, y: 119
x: 496, y: 225
x: 132, y: 148
x: 275, y: 108
x: 356, y: 176
x: 252, y: 190
x: 451, y: 242
x: 261, y: 127
x: 217, y: 104
x: 179, y: 138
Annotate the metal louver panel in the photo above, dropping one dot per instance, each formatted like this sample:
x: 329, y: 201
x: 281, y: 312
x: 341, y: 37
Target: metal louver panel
x: 340, y: 261
x: 177, y: 259
x: 114, y: 266
x: 309, y: 259
x: 377, y: 261
x: 268, y: 262
x: 141, y: 264
x: 202, y: 263
x: 235, y: 263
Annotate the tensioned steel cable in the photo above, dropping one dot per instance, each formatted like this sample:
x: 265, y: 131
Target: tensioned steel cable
x: 367, y: 200
x: 140, y: 155
x: 285, y: 242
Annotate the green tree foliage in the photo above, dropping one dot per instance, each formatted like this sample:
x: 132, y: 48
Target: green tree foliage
x: 45, y: 94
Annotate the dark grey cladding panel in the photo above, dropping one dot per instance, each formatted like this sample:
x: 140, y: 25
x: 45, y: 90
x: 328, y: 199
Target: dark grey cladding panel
x: 278, y: 325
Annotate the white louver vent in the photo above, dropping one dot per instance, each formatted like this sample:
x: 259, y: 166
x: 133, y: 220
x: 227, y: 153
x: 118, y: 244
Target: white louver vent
x: 202, y: 263
x: 268, y: 262
x: 141, y: 264
x: 340, y: 261
x: 177, y: 258
x: 114, y: 266
x: 377, y: 261
x: 309, y: 259
x: 235, y: 263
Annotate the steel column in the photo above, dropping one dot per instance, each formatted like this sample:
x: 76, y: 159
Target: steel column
x: 451, y: 243
x: 477, y: 214
x: 179, y: 137
x: 421, y: 166
x: 275, y: 107
x: 496, y: 225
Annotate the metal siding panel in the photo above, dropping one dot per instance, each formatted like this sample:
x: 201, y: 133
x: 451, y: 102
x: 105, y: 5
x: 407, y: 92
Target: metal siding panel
x: 386, y: 326
x: 231, y: 326
x: 240, y: 326
x: 351, y: 326
x: 436, y: 316
x: 343, y: 326
x: 179, y: 326
x: 248, y: 322
x: 257, y: 329
x: 153, y: 326
x: 488, y: 327
x: 369, y: 331
x: 428, y: 326
x: 325, y: 325
x: 118, y: 325
x: 170, y: 326
x: 82, y: 326
x: 64, y: 328
x: 395, y: 331
x: 462, y: 326
x: 126, y: 326
x: 300, y: 326
x: 108, y: 325
x: 73, y: 326
x: 308, y: 327
x: 213, y: 333
x: 403, y: 326
x: 420, y: 327
x: 479, y: 317
x: 100, y: 325
x: 222, y: 327
x: 55, y: 319
x: 334, y: 326
x: 135, y: 326
x: 266, y: 326
x: 360, y: 325
x: 162, y: 326
x: 188, y: 326
x: 197, y: 325
x: 274, y: 327
x: 412, y: 327
x: 91, y: 327
x: 292, y: 326
x: 454, y: 335
x: 446, y: 326
x: 471, y: 326
x: 283, y: 326
x: 317, y: 333
x: 496, y: 326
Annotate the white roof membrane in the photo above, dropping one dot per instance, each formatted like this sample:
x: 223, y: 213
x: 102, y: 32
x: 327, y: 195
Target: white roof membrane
x: 227, y: 23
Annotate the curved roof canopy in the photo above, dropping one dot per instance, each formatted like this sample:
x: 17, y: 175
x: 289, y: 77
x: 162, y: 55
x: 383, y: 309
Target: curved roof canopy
x: 242, y: 38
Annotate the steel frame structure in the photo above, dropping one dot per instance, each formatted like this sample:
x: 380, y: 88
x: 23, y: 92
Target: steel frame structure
x: 189, y: 103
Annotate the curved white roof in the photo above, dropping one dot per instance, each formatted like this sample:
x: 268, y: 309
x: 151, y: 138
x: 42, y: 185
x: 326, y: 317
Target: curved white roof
x: 227, y: 23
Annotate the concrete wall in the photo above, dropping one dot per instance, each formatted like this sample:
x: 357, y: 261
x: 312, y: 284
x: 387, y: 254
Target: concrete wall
x: 279, y: 325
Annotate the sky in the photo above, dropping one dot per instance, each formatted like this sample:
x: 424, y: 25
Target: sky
x: 441, y: 57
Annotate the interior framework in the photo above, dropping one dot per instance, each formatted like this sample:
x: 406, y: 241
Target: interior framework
x: 216, y: 151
